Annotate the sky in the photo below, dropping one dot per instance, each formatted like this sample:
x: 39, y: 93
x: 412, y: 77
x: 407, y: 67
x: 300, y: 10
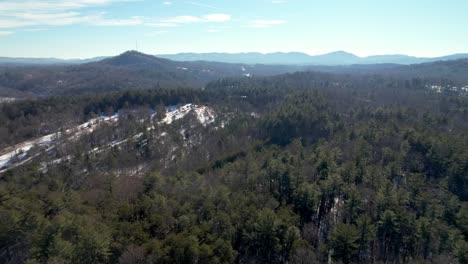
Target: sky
x: 91, y: 28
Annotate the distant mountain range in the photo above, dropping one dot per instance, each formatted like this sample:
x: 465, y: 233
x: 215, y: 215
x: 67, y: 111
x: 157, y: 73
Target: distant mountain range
x: 134, y: 70
x: 288, y: 58
x: 291, y: 58
x: 46, y: 61
x: 130, y: 70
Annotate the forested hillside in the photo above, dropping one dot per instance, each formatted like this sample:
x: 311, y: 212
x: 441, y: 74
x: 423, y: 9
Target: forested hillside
x: 130, y: 70
x: 298, y: 168
x: 134, y: 70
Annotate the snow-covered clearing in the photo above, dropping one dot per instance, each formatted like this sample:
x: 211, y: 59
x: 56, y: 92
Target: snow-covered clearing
x: 204, y: 114
x: 16, y: 155
x: 19, y: 154
x: 7, y: 99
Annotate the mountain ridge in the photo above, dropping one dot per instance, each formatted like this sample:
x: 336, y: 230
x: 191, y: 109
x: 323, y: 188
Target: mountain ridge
x: 332, y: 58
x: 135, y: 70
x: 274, y: 58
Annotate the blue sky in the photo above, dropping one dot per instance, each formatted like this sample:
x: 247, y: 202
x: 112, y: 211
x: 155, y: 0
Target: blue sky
x: 88, y: 28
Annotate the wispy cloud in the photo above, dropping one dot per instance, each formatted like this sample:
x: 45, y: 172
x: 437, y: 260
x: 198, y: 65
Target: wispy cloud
x: 217, y: 18
x: 161, y: 24
x: 33, y: 13
x: 27, y: 13
x: 211, y: 18
x: 13, y: 23
x: 134, y: 21
x: 6, y: 33
x: 264, y: 23
x: 182, y: 20
x: 54, y: 5
x: 203, y: 5
x: 62, y: 19
x: 156, y: 33
x: 34, y: 29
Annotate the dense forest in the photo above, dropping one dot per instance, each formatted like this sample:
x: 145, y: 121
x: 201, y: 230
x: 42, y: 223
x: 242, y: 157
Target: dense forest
x: 304, y: 167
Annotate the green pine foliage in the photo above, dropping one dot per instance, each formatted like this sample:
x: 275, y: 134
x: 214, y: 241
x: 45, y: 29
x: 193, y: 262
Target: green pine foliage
x: 334, y: 170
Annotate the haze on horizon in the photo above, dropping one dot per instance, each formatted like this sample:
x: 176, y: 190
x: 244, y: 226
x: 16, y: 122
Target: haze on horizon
x: 90, y: 28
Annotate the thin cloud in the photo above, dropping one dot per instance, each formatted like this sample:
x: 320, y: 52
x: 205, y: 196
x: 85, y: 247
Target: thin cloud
x: 29, y: 13
x: 34, y: 29
x: 13, y: 23
x: 44, y: 16
x: 211, y: 18
x: 6, y: 33
x: 161, y: 24
x: 156, y: 33
x: 203, y: 5
x: 217, y: 18
x: 182, y: 20
x: 54, y: 5
x: 118, y: 22
x: 263, y: 23
x: 63, y: 19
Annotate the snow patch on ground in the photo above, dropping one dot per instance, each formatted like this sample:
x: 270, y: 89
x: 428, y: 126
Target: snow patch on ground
x: 20, y: 151
x: 7, y: 99
x: 204, y: 114
x: 19, y: 154
x: 177, y: 114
